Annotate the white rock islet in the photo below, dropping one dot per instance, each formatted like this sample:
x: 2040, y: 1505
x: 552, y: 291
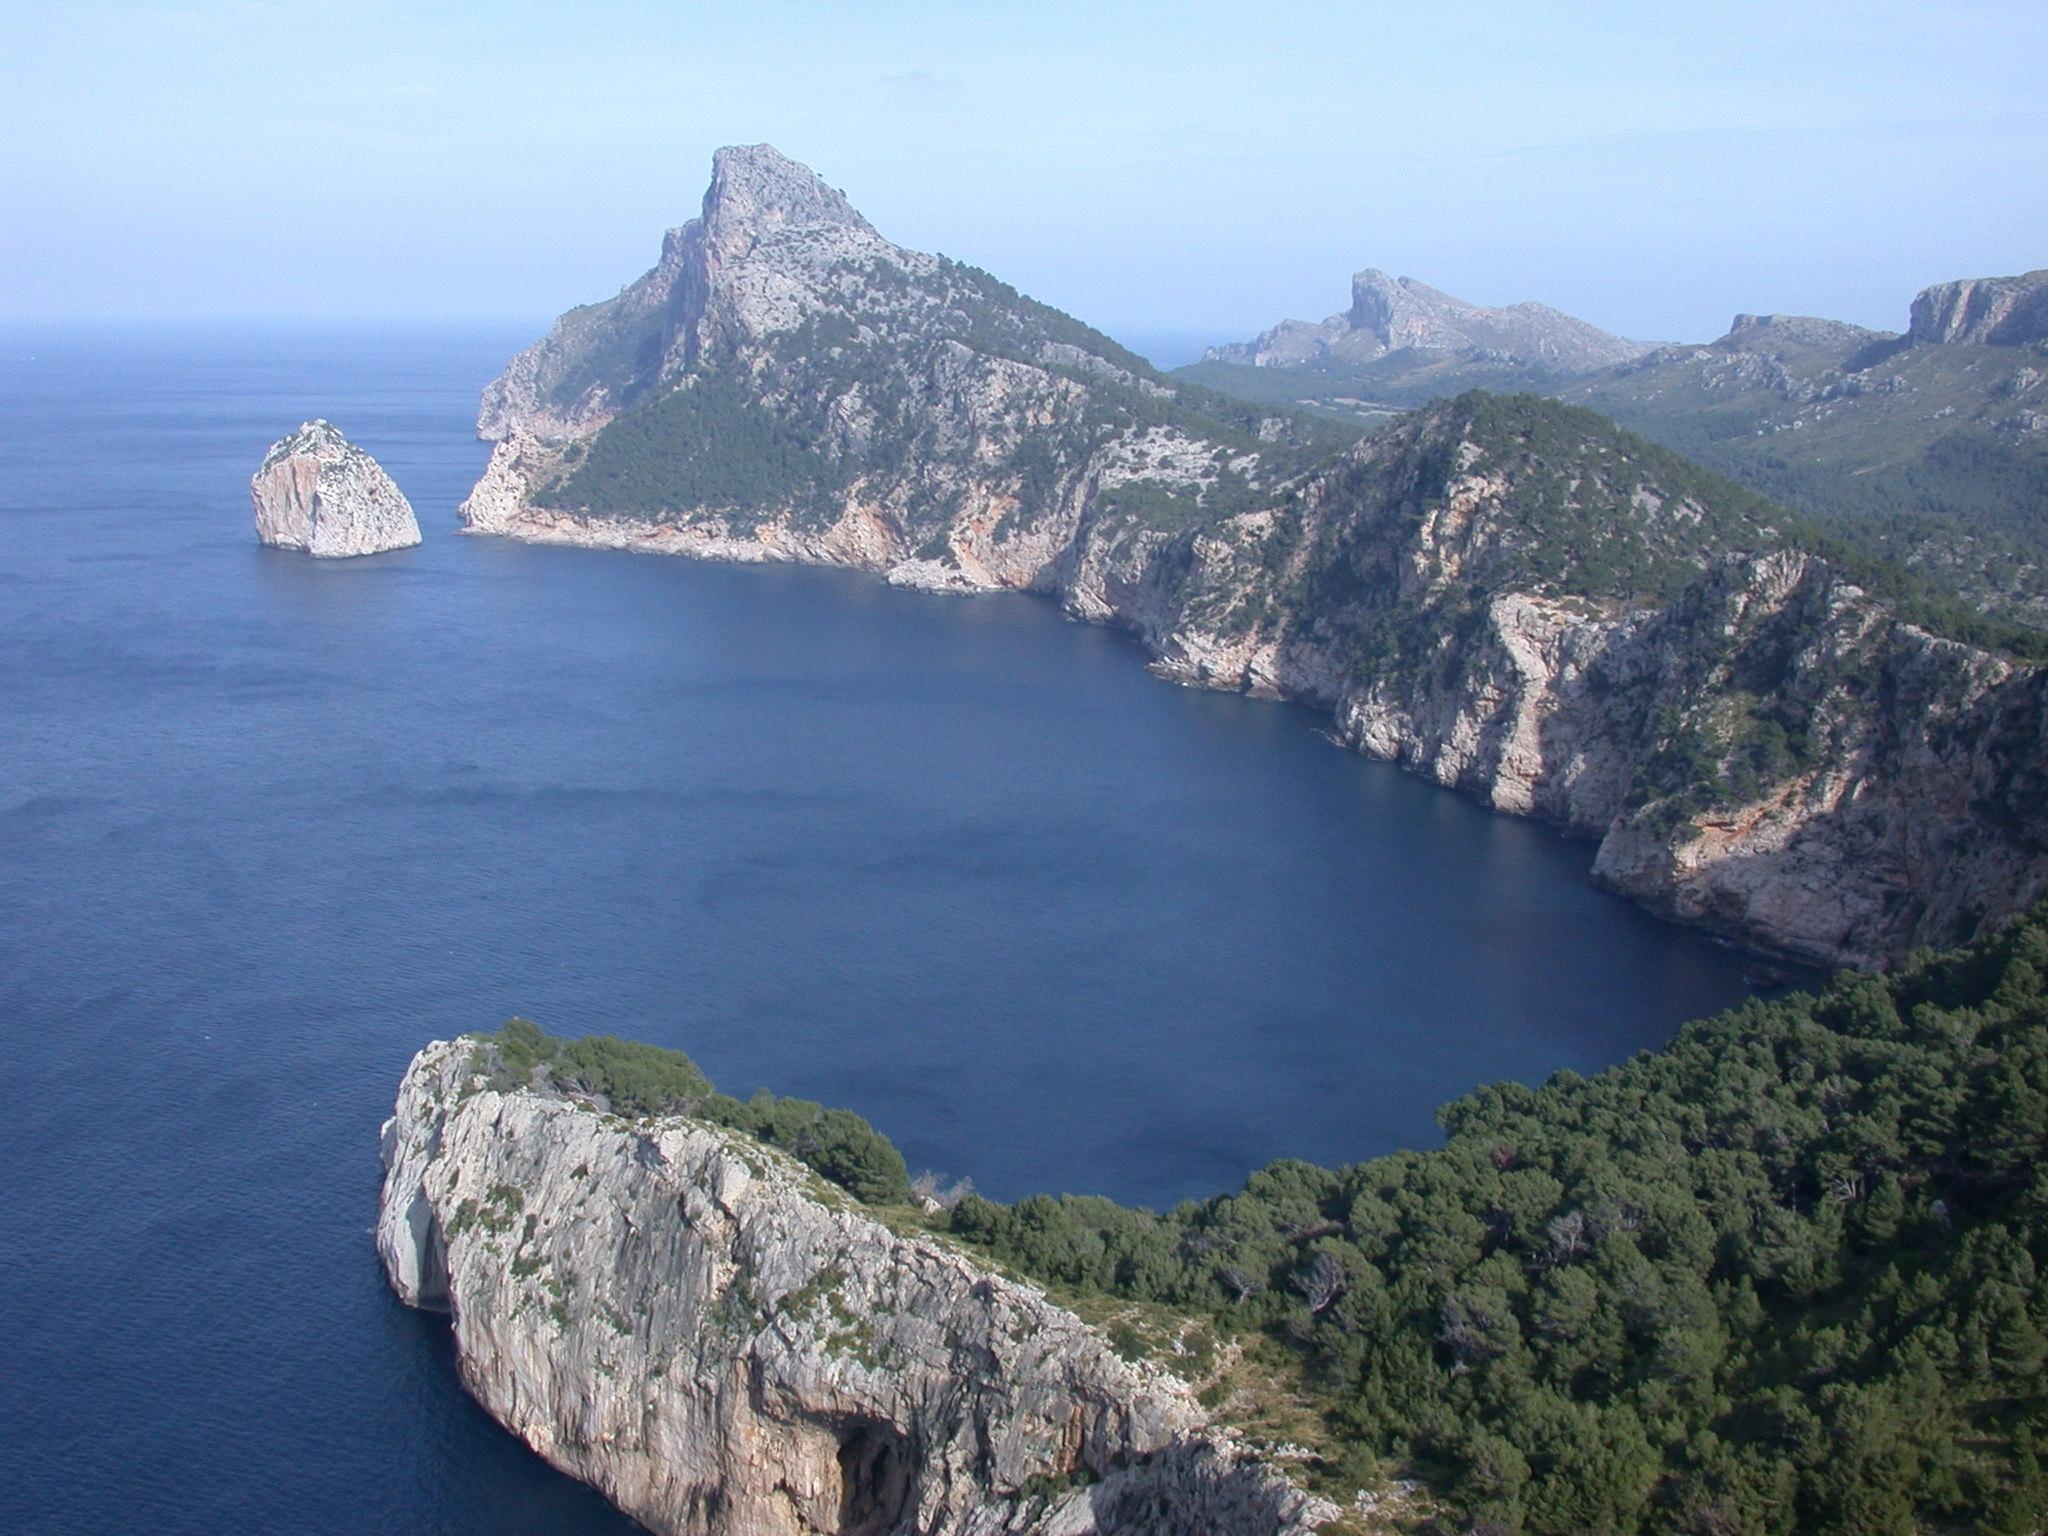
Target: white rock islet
x: 318, y: 492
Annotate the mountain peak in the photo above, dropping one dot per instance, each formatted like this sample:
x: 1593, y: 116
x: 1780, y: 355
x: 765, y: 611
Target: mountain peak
x: 757, y: 186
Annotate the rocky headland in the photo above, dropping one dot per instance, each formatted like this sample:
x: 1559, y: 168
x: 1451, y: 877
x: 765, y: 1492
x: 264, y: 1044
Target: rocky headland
x: 316, y: 491
x: 723, y: 1343
x: 1768, y: 738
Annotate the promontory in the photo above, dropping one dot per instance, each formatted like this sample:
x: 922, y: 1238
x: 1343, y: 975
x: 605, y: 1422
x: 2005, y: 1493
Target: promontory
x: 726, y: 1344
x: 1770, y: 735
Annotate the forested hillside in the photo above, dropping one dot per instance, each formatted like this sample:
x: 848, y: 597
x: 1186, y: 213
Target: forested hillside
x: 1783, y: 1276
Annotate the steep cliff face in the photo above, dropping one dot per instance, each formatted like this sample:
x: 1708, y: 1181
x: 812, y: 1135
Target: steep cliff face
x: 318, y: 492
x: 1761, y: 746
x: 1984, y: 311
x: 1509, y: 596
x: 723, y: 1344
x: 1391, y: 314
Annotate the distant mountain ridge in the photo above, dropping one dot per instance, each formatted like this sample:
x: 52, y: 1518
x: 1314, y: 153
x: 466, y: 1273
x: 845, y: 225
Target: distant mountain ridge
x: 1928, y: 446
x: 1390, y: 314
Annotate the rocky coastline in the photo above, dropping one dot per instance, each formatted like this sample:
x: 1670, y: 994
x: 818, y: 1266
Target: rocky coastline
x: 1517, y: 601
x: 726, y: 1345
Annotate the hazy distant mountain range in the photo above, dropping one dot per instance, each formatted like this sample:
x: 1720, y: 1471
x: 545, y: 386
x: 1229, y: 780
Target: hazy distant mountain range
x: 1929, y: 445
x: 1390, y: 314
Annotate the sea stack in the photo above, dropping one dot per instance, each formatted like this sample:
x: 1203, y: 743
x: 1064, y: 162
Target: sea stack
x: 319, y: 492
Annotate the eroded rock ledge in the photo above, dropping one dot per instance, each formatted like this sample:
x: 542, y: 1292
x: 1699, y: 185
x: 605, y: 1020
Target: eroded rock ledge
x: 722, y: 1343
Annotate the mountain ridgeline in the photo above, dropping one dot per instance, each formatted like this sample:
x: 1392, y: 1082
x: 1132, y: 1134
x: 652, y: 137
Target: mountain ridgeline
x: 1927, y: 446
x: 1771, y: 734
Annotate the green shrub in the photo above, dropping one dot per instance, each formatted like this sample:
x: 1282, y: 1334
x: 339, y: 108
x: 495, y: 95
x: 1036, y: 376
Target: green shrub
x: 637, y: 1079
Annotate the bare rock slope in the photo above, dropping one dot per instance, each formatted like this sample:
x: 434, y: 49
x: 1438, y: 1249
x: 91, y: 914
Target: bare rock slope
x: 318, y: 492
x: 723, y: 1344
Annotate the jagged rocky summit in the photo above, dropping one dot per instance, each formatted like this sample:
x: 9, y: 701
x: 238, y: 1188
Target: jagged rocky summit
x: 1392, y: 314
x: 724, y: 1345
x: 1507, y: 595
x: 787, y: 385
x: 318, y: 492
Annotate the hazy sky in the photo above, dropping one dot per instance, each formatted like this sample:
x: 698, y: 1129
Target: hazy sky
x: 1652, y: 167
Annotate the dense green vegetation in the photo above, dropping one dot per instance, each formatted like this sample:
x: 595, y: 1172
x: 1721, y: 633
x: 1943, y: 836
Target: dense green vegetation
x: 708, y: 444
x: 1784, y: 1277
x: 634, y: 1079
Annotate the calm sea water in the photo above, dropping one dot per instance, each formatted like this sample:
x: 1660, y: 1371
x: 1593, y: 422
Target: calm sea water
x: 268, y: 824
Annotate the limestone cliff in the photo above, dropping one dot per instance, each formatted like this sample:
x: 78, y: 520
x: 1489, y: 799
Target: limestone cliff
x: 1983, y: 311
x: 1507, y: 595
x: 1762, y: 747
x: 723, y: 1344
x: 318, y: 492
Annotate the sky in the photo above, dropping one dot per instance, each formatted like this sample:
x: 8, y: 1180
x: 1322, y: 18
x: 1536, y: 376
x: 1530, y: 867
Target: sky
x: 1188, y: 167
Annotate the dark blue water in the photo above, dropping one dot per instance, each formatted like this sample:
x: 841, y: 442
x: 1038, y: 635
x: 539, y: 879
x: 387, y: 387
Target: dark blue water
x: 267, y: 824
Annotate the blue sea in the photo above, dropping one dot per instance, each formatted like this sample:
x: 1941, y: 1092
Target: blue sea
x: 268, y: 824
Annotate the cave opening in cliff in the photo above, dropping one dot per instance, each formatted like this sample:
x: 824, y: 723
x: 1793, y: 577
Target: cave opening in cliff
x: 874, y: 1478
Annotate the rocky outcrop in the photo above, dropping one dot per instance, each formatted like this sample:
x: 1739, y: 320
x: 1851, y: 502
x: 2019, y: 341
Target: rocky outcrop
x: 318, y: 492
x: 1777, y: 332
x: 2001, y: 311
x: 1761, y: 748
x: 1390, y: 314
x: 723, y: 1344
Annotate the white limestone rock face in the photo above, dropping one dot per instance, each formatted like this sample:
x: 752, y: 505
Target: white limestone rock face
x: 318, y: 492
x: 724, y: 1345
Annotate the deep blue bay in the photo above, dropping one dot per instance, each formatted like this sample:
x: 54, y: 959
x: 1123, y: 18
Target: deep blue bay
x: 268, y: 824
